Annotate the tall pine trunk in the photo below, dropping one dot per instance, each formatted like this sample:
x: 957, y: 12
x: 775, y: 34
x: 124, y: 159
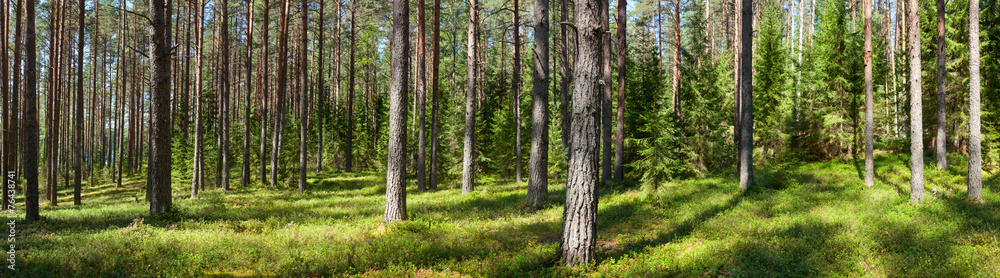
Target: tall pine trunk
x: 869, y: 105
x: 349, y: 152
x: 279, y: 111
x: 29, y: 141
x: 198, y: 179
x: 304, y: 87
x: 161, y: 133
x: 916, y: 108
x: 621, y: 22
x: 395, y: 192
x: 245, y: 175
x: 975, y: 180
x: 746, y: 95
x: 421, y: 93
x: 468, y: 154
x: 579, y: 232
x: 78, y: 129
x: 516, y: 86
x: 606, y: 89
x: 940, y: 145
x: 538, y: 168
x: 224, y: 88
x: 435, y: 86
x: 265, y: 92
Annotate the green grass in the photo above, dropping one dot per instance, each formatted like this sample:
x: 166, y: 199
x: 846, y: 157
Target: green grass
x: 815, y: 219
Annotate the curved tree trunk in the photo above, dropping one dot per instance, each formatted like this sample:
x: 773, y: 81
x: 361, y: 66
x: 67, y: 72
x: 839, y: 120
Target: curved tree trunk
x: 395, y: 192
x: 579, y: 235
x: 538, y: 180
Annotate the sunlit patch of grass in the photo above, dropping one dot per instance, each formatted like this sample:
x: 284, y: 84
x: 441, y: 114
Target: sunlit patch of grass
x: 811, y: 219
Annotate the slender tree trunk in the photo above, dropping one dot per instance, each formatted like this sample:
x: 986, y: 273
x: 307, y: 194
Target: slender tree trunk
x: 676, y: 65
x: 158, y: 179
x: 29, y: 141
x: 565, y: 101
x: 869, y: 105
x: 224, y: 88
x: 435, y: 92
x: 737, y: 74
x: 606, y: 88
x: 321, y: 90
x: 538, y: 168
x: 279, y: 114
x: 198, y: 169
x: 468, y: 157
x: 5, y: 119
x: 78, y: 129
x: 245, y: 179
x: 349, y: 153
x: 746, y: 96
x: 395, y: 192
x: 265, y: 92
x: 621, y: 22
x: 304, y: 87
x: 916, y: 108
x: 941, y: 138
x: 516, y: 86
x: 579, y: 235
x: 975, y: 180
x: 421, y: 93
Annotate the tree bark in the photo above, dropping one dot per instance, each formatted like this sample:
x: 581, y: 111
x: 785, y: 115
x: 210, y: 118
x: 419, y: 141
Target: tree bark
x: 349, y: 153
x: 304, y: 87
x: 395, y: 192
x: 940, y: 146
x: 676, y: 65
x: 421, y: 93
x: 161, y: 133
x: 279, y: 114
x: 916, y: 108
x: 621, y: 22
x: 78, y: 129
x: 435, y: 92
x: 975, y: 180
x: 516, y: 86
x: 565, y: 101
x: 746, y: 96
x: 265, y: 92
x: 321, y: 90
x: 29, y: 141
x: 198, y: 169
x: 538, y: 171
x: 869, y: 105
x: 245, y: 179
x: 606, y: 100
x: 579, y: 236
x: 468, y: 155
x: 224, y: 89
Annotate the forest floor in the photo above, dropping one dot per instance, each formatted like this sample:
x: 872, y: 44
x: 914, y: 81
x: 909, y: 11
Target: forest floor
x: 808, y: 219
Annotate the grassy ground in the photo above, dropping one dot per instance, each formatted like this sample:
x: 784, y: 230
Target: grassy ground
x: 812, y: 219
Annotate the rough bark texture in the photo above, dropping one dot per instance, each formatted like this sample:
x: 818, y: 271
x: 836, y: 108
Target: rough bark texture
x: 29, y: 139
x: 565, y: 102
x: 975, y: 137
x: 468, y: 155
x: 869, y: 105
x: 579, y: 234
x: 940, y: 147
x: 421, y: 87
x: 395, y: 180
x: 746, y: 96
x: 245, y: 174
x: 265, y: 93
x: 160, y: 132
x: 224, y: 89
x: 606, y: 119
x: 78, y: 129
x: 621, y: 22
x: 435, y: 82
x: 916, y: 109
x: 538, y: 168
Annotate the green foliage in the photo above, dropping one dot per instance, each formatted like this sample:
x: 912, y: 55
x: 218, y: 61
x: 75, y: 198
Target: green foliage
x: 773, y: 108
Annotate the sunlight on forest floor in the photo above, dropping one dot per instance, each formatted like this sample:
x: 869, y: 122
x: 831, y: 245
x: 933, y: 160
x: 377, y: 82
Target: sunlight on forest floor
x: 814, y: 219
